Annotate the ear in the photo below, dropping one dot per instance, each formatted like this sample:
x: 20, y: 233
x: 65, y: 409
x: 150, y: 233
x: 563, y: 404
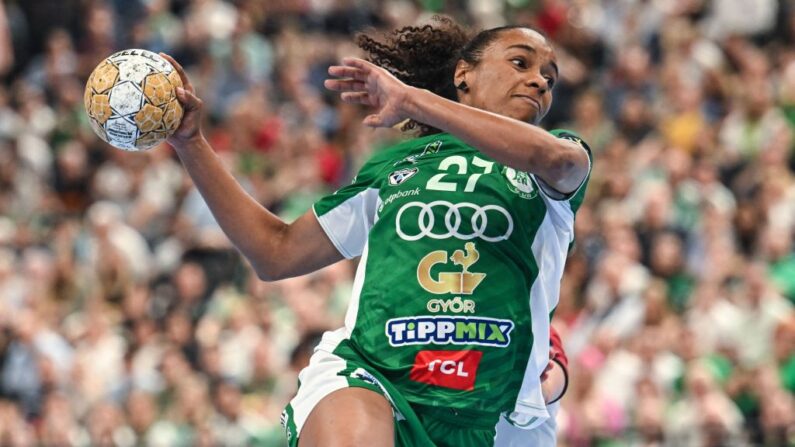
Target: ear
x: 462, y: 69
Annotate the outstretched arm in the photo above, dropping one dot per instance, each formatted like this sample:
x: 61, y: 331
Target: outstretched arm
x: 274, y: 248
x: 561, y: 163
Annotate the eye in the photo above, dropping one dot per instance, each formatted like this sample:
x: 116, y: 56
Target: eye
x: 519, y: 62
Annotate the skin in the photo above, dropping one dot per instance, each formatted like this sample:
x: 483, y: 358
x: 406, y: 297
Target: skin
x: 275, y: 249
x: 509, y: 92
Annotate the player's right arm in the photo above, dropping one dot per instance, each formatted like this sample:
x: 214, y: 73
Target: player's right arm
x: 274, y: 248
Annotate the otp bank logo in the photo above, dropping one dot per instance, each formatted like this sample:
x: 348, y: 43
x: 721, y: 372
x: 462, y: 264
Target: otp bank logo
x: 449, y: 369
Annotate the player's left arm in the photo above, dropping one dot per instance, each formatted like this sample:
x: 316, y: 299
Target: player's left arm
x: 561, y: 163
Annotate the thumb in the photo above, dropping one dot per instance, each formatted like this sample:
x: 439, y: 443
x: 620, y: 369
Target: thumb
x: 188, y: 100
x: 373, y: 121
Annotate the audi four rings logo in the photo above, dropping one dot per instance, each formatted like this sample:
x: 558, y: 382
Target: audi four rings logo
x: 452, y: 219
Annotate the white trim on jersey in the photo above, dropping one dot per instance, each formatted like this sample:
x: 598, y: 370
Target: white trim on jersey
x: 348, y: 227
x: 550, y: 246
x: 358, y: 282
x: 349, y: 223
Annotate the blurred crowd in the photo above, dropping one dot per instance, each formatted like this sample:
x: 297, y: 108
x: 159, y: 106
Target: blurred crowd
x: 126, y: 318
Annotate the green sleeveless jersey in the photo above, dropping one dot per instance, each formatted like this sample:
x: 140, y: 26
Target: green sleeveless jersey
x: 461, y: 262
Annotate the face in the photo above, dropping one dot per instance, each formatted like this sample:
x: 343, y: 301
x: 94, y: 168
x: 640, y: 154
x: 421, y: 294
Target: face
x: 514, y: 76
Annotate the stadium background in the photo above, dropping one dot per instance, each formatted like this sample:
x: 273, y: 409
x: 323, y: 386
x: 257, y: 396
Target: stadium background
x: 127, y: 319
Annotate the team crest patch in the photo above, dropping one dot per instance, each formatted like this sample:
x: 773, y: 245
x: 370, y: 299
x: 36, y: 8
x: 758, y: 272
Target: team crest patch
x: 519, y: 182
x: 401, y: 176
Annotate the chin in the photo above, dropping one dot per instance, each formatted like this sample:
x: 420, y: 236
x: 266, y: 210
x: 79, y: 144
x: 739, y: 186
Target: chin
x: 536, y: 118
x: 522, y: 116
x: 532, y: 119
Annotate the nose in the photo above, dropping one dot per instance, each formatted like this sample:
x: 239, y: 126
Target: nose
x: 537, y: 81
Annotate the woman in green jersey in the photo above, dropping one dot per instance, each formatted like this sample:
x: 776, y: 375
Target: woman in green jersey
x: 462, y: 233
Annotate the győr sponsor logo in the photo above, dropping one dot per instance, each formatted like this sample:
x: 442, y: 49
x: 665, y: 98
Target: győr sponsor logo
x: 463, y: 282
x: 416, y: 220
x: 453, y: 330
x: 455, y: 305
x: 449, y: 369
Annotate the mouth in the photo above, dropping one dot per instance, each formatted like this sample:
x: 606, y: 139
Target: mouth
x: 530, y: 100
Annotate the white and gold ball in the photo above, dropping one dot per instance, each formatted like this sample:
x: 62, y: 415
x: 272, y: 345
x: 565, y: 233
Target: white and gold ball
x: 131, y: 99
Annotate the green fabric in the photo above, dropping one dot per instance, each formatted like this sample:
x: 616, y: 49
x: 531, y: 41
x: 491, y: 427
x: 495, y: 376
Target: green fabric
x: 426, y: 187
x: 782, y: 273
x: 424, y: 429
x: 680, y: 286
x: 289, y: 426
x: 787, y: 374
x: 720, y: 366
x: 447, y: 428
x: 789, y: 113
x: 747, y: 403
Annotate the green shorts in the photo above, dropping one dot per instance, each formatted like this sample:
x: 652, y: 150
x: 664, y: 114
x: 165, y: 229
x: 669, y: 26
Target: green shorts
x: 415, y: 425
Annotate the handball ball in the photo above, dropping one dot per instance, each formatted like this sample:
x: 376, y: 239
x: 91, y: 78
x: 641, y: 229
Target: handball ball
x: 131, y: 99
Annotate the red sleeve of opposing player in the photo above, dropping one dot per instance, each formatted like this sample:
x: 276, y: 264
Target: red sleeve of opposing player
x: 556, y: 347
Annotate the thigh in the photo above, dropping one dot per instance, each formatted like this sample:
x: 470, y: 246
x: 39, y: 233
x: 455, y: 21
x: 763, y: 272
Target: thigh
x: 350, y: 417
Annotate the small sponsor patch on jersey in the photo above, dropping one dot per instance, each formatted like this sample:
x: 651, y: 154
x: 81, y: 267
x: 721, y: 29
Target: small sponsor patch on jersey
x: 448, y: 369
x: 519, y: 183
x: 361, y: 374
x: 573, y: 138
x: 444, y: 330
x: 401, y: 176
x: 430, y: 148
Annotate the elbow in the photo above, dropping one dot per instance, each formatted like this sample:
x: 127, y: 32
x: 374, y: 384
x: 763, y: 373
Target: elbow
x: 275, y: 271
x: 268, y: 260
x: 266, y: 275
x: 562, y: 170
x: 566, y: 171
x: 565, y: 176
x: 269, y: 273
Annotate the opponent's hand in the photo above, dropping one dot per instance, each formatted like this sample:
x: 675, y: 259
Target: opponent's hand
x: 545, y: 374
x: 190, y: 127
x: 553, y: 382
x: 362, y: 82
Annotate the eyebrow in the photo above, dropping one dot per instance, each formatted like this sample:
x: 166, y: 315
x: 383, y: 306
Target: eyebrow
x: 530, y: 49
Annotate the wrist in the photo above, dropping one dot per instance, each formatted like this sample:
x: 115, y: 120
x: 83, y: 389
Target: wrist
x: 187, y: 144
x: 412, y: 103
x: 561, y: 384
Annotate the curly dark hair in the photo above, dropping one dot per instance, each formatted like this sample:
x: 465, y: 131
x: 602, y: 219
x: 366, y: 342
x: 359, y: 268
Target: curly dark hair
x: 426, y: 56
